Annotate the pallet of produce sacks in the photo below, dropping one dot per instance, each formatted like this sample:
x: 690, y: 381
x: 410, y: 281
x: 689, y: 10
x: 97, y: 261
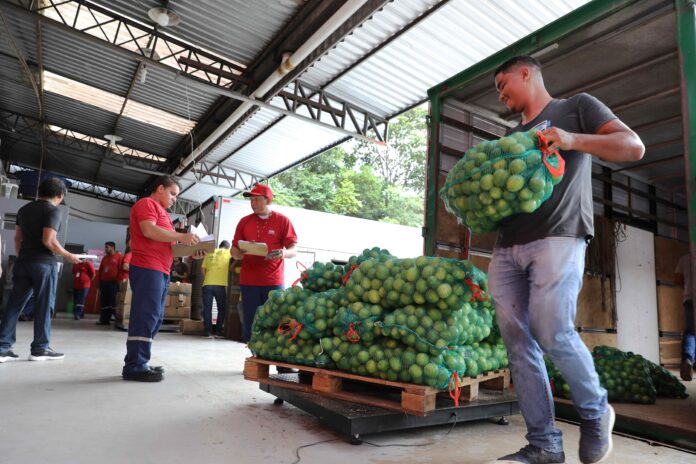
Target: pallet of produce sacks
x: 498, y: 178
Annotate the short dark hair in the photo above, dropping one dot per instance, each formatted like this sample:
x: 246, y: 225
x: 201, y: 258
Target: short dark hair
x: 520, y: 60
x: 112, y: 244
x: 224, y: 244
x: 164, y: 181
x: 52, y: 188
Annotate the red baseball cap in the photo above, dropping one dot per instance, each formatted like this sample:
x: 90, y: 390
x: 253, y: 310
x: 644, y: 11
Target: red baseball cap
x: 260, y: 190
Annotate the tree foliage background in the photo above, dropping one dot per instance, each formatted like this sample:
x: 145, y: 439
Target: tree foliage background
x: 360, y: 179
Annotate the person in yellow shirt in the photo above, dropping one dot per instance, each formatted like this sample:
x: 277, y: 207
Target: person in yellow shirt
x: 216, y: 268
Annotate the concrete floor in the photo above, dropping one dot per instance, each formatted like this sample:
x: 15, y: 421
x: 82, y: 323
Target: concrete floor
x: 78, y: 410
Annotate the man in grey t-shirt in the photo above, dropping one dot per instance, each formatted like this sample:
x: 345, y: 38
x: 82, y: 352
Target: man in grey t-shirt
x: 537, y: 267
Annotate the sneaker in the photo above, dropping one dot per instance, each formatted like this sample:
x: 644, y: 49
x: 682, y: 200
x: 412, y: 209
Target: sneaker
x: 686, y: 370
x: 595, y: 437
x: 159, y: 369
x: 146, y: 376
x: 531, y: 454
x: 207, y: 336
x: 8, y: 355
x: 45, y: 355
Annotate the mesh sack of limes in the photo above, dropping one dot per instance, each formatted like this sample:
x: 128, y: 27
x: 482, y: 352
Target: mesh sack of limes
x: 453, y: 332
x: 498, y: 178
x: 627, y: 377
x: 324, y: 276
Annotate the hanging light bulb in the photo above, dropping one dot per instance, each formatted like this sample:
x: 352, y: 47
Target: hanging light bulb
x: 164, y: 17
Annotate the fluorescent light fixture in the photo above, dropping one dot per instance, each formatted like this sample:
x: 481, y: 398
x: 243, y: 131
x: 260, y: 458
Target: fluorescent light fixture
x: 113, y: 103
x: 545, y: 50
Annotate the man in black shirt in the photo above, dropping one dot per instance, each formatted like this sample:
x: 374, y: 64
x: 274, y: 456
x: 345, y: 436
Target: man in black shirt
x: 180, y: 270
x: 36, y: 271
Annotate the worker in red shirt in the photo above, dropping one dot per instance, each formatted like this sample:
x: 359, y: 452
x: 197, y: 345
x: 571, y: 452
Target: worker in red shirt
x: 125, y: 262
x: 83, y: 273
x: 109, y: 271
x: 152, y: 236
x: 262, y: 274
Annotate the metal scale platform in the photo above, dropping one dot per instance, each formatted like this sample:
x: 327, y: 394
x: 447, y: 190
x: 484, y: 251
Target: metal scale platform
x: 354, y: 420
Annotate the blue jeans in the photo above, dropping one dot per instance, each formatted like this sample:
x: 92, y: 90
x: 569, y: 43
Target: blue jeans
x: 146, y: 315
x: 107, y: 297
x: 219, y: 292
x: 38, y: 279
x: 79, y: 295
x: 253, y: 296
x: 688, y: 342
x: 535, y: 288
x: 28, y: 310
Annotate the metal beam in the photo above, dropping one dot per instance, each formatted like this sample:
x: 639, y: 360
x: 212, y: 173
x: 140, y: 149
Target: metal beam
x: 669, y: 159
x: 358, y: 130
x: 90, y: 18
x: 215, y: 174
x: 25, y: 126
x: 102, y: 191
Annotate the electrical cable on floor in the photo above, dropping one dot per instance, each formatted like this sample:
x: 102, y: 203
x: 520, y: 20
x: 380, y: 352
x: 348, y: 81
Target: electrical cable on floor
x: 297, y: 450
x: 415, y: 445
x: 409, y: 445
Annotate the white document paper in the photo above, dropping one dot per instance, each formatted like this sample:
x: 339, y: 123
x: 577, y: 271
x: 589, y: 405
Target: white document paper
x: 254, y: 248
x: 201, y: 233
x: 85, y: 256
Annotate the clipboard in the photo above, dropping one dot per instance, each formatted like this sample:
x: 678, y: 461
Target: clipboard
x: 253, y: 248
x: 180, y: 250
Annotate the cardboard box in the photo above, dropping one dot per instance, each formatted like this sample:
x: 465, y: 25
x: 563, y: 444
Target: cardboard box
x: 122, y: 311
x: 124, y: 295
x: 189, y: 327
x: 177, y: 312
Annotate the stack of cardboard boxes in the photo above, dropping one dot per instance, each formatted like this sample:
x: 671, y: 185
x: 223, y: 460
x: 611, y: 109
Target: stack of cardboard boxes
x: 177, y: 307
x: 123, y: 303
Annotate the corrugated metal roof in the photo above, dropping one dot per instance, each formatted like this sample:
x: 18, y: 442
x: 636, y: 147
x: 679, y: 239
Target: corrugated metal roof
x: 454, y: 37
x: 251, y: 128
x: 86, y: 62
x: 162, y: 91
x: 281, y: 146
x: 236, y: 29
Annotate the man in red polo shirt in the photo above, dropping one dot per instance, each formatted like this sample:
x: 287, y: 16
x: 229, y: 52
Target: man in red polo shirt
x: 109, y: 272
x: 83, y: 273
x: 262, y: 274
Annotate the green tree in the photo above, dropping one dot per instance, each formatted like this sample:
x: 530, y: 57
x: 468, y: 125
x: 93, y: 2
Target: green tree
x: 382, y: 183
x: 345, y: 200
x: 401, y: 162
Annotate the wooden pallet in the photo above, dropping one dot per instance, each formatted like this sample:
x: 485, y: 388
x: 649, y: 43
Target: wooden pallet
x: 415, y: 399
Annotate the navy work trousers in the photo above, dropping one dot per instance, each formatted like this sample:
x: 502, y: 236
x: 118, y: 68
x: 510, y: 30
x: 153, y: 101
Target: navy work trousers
x: 253, y: 296
x: 147, y: 312
x: 107, y: 296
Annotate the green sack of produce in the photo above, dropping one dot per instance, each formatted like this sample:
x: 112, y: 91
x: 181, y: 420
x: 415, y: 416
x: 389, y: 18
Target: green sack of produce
x: 322, y: 276
x: 432, y: 330
x: 499, y: 178
x: 391, y: 360
x: 666, y: 384
x: 441, y: 283
x: 270, y: 344
x: 296, y: 309
x: 356, y: 322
